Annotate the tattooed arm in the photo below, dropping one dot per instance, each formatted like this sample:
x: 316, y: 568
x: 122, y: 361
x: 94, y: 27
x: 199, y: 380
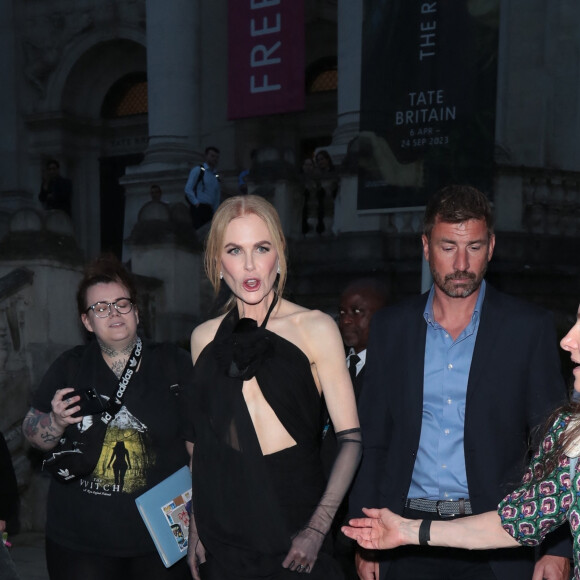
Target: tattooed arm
x: 41, y: 430
x: 44, y: 430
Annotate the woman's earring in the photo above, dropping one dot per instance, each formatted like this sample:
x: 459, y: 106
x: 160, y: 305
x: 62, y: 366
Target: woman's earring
x: 278, y: 268
x: 221, y: 276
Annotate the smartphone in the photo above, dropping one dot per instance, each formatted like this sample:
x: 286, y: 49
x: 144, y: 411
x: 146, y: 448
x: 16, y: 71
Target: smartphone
x: 90, y: 401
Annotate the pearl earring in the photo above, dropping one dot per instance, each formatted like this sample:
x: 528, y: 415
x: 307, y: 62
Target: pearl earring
x: 278, y: 268
x: 221, y: 276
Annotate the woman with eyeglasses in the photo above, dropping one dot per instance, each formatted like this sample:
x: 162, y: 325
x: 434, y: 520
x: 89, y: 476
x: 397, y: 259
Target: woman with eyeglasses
x: 94, y: 530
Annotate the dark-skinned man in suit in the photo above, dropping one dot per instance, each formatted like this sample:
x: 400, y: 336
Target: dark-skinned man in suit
x: 357, y: 305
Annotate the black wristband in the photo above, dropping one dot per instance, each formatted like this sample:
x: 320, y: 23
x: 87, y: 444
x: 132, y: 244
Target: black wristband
x: 424, y: 532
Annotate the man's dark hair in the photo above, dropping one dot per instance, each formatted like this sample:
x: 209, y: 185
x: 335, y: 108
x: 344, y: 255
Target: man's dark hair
x: 104, y: 270
x: 211, y: 148
x: 455, y: 204
x: 377, y: 287
x: 53, y: 162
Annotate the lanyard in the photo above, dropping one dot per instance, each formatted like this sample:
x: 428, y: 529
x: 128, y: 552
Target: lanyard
x: 128, y: 372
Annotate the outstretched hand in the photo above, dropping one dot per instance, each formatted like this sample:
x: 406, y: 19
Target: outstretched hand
x: 380, y: 530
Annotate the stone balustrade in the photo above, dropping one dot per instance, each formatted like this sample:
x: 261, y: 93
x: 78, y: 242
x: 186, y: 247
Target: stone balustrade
x: 551, y: 203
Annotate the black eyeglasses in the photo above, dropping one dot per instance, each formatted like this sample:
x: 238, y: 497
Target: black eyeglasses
x: 103, y: 309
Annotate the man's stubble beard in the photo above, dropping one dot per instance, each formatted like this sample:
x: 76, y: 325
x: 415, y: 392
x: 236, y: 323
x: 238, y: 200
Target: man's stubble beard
x: 462, y: 291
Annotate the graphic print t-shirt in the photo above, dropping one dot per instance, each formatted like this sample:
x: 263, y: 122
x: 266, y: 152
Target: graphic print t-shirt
x: 142, y: 447
x: 125, y: 459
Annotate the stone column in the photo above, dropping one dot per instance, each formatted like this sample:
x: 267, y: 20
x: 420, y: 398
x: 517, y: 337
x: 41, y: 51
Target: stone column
x: 173, y: 38
x: 350, y: 18
x: 173, y: 57
x: 350, y: 15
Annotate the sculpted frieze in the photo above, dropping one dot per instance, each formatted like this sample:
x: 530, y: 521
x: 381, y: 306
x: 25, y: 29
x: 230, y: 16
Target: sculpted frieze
x: 45, y: 36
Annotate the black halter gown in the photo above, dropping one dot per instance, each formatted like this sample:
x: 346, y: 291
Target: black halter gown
x: 248, y: 506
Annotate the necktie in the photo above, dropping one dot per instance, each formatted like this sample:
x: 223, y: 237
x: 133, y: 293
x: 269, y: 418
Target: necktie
x: 353, y: 360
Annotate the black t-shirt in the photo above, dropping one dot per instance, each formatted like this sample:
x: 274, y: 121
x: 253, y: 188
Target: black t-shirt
x: 142, y: 447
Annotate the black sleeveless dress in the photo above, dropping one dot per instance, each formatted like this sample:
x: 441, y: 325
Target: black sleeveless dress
x: 248, y: 506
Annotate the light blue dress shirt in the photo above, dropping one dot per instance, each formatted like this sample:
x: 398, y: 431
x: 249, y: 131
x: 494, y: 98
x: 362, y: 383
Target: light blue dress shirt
x: 439, y: 471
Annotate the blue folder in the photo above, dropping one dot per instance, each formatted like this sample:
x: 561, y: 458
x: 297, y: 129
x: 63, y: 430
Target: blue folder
x: 165, y: 510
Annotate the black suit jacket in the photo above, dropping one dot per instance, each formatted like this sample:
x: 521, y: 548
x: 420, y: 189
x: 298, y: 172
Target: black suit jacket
x: 515, y: 381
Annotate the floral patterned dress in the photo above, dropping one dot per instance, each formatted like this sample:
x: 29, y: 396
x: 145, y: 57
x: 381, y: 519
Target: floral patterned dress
x: 537, y: 508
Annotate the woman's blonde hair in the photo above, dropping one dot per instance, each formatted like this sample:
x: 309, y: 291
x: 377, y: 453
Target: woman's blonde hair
x: 229, y: 210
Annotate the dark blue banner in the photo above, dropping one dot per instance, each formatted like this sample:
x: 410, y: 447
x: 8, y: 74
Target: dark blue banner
x: 428, y: 97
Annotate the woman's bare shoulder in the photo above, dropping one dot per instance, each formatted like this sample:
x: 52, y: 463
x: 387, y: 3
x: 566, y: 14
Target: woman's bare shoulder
x: 203, y: 334
x: 313, y: 320
x: 306, y: 323
x: 300, y: 314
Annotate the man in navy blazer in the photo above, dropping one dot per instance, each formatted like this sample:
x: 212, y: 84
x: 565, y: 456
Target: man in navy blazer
x: 456, y: 382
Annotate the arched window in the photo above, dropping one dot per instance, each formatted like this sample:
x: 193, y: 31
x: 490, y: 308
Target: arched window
x: 322, y: 76
x: 127, y: 97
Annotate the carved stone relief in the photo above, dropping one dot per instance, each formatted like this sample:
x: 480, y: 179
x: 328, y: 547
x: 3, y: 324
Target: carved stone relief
x: 45, y: 36
x: 44, y: 39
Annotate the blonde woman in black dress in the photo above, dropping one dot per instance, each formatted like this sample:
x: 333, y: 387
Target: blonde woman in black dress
x: 261, y: 506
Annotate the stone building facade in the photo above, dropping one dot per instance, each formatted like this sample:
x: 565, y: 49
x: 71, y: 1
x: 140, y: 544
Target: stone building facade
x: 127, y: 93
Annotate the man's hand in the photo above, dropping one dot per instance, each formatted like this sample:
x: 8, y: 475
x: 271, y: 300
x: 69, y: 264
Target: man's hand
x: 381, y: 530
x: 366, y: 569
x: 552, y: 568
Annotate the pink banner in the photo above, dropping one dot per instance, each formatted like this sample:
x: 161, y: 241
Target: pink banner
x: 266, y: 57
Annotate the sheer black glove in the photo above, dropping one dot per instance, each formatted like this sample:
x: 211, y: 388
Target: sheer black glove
x: 307, y: 542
